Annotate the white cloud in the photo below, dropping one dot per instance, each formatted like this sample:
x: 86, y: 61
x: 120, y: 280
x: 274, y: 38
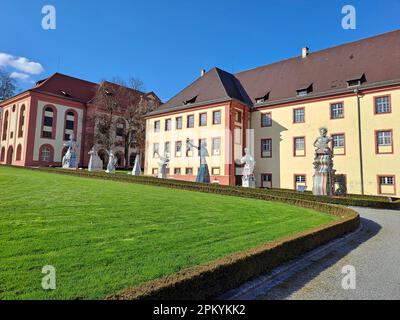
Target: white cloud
x: 19, y: 76
x: 21, y: 64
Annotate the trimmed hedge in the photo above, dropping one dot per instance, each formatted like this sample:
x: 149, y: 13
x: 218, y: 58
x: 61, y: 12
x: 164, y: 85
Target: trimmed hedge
x: 282, y: 195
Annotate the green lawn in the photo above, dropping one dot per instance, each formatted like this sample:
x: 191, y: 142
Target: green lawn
x: 104, y: 236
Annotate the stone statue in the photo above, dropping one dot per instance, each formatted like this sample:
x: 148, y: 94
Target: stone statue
x: 112, y: 162
x: 95, y: 163
x: 70, y: 160
x: 322, y: 142
x: 324, y: 174
x: 162, y: 166
x: 203, y: 175
x: 136, y: 171
x: 248, y: 179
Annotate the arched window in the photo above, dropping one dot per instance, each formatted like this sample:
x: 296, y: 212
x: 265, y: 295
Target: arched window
x: 5, y: 125
x: 2, y: 154
x: 70, y: 123
x: 19, y: 153
x: 21, y: 122
x: 46, y: 153
x: 10, y: 153
x: 49, y: 122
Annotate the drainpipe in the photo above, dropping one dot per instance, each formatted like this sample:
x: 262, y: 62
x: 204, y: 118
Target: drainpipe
x: 360, y: 149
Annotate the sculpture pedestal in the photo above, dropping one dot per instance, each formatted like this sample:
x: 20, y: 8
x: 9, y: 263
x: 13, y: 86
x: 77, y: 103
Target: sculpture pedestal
x: 248, y: 181
x: 324, y: 175
x: 204, y: 174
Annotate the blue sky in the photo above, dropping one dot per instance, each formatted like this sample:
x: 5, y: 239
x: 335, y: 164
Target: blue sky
x: 167, y: 42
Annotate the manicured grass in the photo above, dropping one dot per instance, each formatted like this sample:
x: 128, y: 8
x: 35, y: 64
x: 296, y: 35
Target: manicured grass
x: 105, y: 236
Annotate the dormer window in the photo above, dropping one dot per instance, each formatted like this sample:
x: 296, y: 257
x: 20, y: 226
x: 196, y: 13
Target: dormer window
x: 65, y: 93
x: 356, y: 80
x: 190, y: 101
x: 263, y: 98
x: 304, y: 90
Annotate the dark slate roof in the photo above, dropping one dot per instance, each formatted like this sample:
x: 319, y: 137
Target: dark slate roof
x: 328, y: 71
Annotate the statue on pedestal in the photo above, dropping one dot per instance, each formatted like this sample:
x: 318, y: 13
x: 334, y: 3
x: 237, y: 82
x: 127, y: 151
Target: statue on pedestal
x: 70, y: 161
x: 162, y: 166
x: 203, y: 175
x: 95, y: 163
x: 324, y: 174
x: 248, y: 179
x: 136, y: 171
x: 112, y: 162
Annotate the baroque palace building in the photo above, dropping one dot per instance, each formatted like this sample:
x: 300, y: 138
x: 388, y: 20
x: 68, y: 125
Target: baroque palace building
x: 36, y: 123
x: 276, y: 110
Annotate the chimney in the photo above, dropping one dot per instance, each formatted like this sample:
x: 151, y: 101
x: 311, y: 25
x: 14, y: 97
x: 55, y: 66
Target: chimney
x: 202, y: 72
x: 304, y: 52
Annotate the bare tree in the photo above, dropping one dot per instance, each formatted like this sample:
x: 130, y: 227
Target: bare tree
x: 7, y: 85
x: 108, y: 104
x: 115, y: 101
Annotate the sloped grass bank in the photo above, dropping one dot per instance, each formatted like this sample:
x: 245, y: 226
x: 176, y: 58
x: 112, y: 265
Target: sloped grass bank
x: 105, y: 236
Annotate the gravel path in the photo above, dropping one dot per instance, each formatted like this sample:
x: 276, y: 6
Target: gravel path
x: 374, y: 251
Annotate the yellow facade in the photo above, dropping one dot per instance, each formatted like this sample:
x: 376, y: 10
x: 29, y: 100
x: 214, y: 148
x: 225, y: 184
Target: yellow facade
x: 376, y: 161
x: 210, y: 131
x: 283, y: 163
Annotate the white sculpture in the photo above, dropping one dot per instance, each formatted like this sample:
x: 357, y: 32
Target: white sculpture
x: 70, y: 159
x: 112, y: 162
x: 136, y: 168
x: 203, y: 176
x: 162, y: 166
x: 248, y: 179
x: 95, y: 163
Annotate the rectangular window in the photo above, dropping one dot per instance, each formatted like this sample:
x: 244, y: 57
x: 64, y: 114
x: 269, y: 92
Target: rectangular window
x: 48, y: 121
x: 384, y: 138
x: 238, y: 116
x: 189, y: 171
x: 216, y: 146
x: 266, y: 148
x: 298, y: 115
x: 189, y: 148
x: 167, y: 149
x: 217, y: 117
x: 69, y: 125
x: 300, y: 182
x: 266, y: 119
x: 387, y: 185
x: 338, y: 140
x: 120, y: 132
x: 154, y: 171
x: 168, y: 123
x: 337, y: 110
x: 190, y: 121
x: 202, y: 142
x: 156, y: 150
x: 299, y: 146
x: 177, y: 171
x: 338, y: 144
x: 382, y: 105
x: 384, y: 141
x: 178, y: 148
x: 46, y: 134
x: 203, y: 119
x: 157, y: 126
x: 178, y: 123
x: 215, y: 171
x: 266, y: 180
